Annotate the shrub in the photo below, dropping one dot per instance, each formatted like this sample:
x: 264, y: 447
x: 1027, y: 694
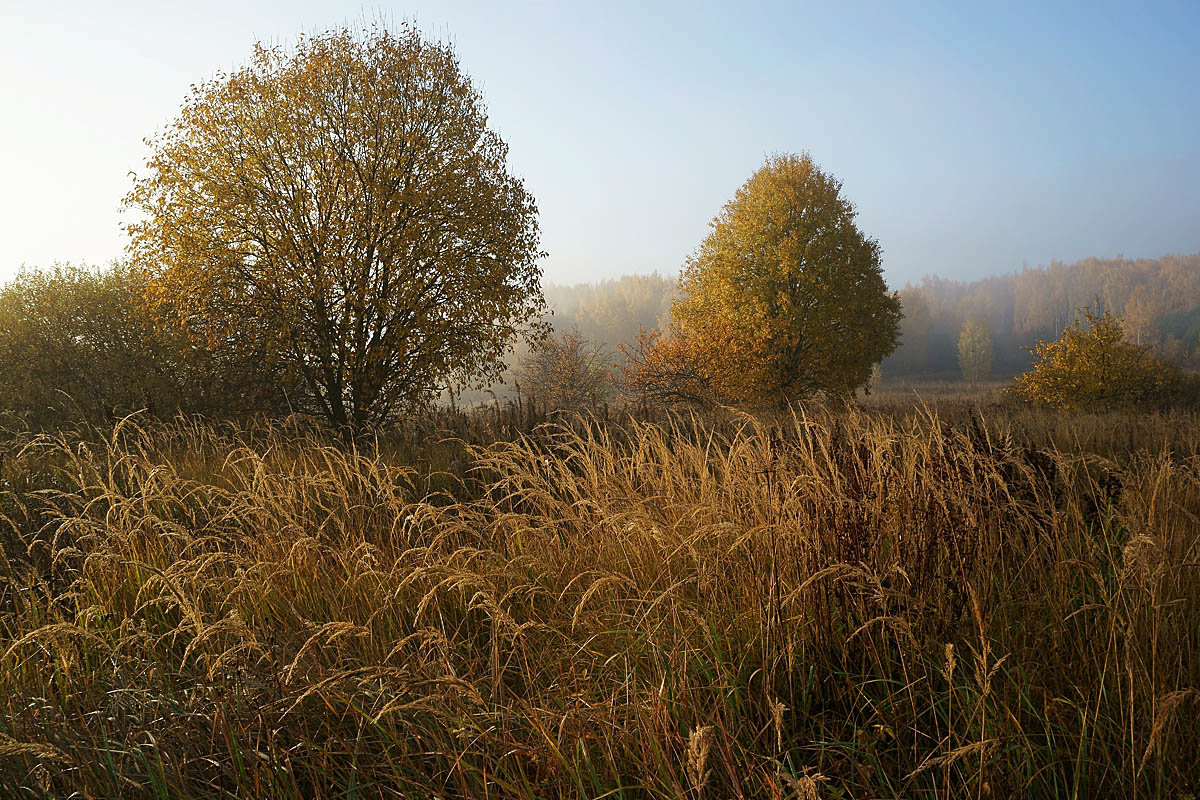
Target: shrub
x: 1092, y: 368
x: 565, y: 372
x: 76, y: 344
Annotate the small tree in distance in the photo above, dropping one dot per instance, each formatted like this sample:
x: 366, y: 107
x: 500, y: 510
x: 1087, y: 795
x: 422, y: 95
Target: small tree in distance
x: 974, y: 351
x: 565, y: 373
x: 347, y: 202
x: 1092, y: 367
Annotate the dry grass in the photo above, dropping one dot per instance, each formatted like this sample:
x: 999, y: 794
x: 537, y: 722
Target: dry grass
x: 895, y: 604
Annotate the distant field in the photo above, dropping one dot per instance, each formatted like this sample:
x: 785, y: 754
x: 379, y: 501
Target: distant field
x: 948, y: 385
x: 901, y: 601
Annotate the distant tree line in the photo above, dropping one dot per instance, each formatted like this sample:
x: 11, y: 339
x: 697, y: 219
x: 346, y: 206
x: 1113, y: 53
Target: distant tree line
x: 1158, y: 301
x: 957, y: 328
x: 592, y: 318
x: 613, y: 311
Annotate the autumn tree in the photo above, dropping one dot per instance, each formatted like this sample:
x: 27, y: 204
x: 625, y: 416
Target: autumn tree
x: 974, y: 351
x: 663, y: 368
x: 1138, y: 317
x: 346, y: 201
x: 1092, y: 367
x: 784, y: 299
x: 565, y: 372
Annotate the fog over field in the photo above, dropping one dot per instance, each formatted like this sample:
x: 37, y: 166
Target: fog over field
x: 1159, y: 298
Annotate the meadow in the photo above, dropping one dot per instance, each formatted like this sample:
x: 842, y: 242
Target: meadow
x: 898, y: 600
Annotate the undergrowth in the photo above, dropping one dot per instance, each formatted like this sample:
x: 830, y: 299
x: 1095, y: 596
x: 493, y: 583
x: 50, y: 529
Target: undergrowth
x: 901, y: 603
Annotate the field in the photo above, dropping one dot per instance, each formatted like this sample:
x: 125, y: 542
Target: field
x: 892, y: 601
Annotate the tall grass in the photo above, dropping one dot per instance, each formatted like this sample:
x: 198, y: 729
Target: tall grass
x: 893, y: 604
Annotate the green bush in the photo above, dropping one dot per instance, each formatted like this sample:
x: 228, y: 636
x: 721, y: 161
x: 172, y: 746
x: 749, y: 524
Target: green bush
x: 77, y: 345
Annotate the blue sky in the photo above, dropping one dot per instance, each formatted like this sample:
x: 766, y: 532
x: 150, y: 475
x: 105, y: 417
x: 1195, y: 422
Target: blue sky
x: 974, y: 138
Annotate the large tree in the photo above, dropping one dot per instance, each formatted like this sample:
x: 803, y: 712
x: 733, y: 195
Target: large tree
x: 346, y: 200
x: 784, y: 299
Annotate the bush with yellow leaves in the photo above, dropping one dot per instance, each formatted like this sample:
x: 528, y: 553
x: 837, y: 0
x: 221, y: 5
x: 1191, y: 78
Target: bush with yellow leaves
x: 1092, y: 368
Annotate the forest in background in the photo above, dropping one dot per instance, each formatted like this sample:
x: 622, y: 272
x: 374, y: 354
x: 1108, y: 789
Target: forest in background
x: 76, y: 339
x: 1159, y: 299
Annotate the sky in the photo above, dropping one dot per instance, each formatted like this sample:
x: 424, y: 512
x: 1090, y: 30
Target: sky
x: 973, y: 138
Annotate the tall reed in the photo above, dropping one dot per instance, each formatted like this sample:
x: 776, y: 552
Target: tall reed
x: 830, y: 604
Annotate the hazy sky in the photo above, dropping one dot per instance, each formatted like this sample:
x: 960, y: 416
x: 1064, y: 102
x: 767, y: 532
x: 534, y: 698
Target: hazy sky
x: 973, y: 139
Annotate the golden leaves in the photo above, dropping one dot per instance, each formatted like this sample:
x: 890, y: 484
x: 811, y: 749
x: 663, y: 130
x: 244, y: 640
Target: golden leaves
x: 1091, y: 368
x: 346, y: 200
x: 784, y: 298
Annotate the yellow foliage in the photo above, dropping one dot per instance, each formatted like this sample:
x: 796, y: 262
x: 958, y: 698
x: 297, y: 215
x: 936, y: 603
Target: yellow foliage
x: 347, y: 203
x: 664, y: 367
x: 1091, y: 367
x: 785, y: 298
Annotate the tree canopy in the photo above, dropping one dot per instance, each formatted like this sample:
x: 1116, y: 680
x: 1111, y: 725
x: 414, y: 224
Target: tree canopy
x: 347, y: 202
x: 785, y: 298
